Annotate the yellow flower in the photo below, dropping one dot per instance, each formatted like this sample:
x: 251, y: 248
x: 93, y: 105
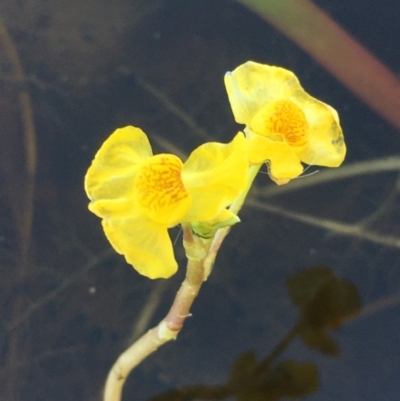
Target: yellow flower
x: 284, y: 125
x: 139, y: 196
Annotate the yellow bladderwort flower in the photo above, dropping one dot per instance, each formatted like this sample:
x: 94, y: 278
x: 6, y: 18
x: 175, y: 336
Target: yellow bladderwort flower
x: 139, y: 196
x: 284, y: 125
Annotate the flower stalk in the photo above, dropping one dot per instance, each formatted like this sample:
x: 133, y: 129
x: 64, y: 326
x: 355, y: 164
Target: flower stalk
x: 223, y: 232
x: 168, y: 329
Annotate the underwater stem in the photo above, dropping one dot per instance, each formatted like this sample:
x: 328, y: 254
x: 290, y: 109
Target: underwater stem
x: 22, y: 207
x: 24, y: 215
x: 280, y: 347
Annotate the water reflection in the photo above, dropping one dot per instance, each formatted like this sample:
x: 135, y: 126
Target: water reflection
x: 324, y: 303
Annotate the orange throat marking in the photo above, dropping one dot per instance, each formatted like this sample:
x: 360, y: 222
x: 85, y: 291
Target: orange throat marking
x: 283, y: 118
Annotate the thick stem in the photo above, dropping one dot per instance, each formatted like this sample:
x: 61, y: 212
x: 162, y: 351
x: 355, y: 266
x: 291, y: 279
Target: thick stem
x: 130, y: 358
x: 167, y: 329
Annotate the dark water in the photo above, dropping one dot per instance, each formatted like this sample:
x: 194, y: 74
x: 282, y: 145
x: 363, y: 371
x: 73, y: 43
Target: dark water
x: 69, y: 304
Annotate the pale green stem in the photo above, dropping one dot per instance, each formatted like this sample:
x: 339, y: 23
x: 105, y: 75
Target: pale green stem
x: 168, y: 328
x: 330, y: 45
x: 223, y: 232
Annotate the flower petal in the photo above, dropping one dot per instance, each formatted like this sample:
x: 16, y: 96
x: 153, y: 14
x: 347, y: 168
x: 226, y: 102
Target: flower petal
x: 326, y: 145
x: 109, y: 180
x: 283, y: 162
x: 284, y: 120
x: 214, y: 175
x: 146, y: 245
x: 252, y: 85
x: 159, y: 190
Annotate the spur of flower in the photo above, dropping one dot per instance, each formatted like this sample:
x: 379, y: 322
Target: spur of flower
x: 285, y: 126
x: 139, y: 196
